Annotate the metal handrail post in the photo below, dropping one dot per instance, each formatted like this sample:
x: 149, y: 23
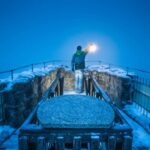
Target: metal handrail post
x: 32, y: 67
x: 44, y: 64
x: 12, y: 74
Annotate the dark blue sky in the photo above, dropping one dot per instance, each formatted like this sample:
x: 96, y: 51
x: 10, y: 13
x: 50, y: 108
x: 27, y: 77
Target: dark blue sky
x: 33, y: 31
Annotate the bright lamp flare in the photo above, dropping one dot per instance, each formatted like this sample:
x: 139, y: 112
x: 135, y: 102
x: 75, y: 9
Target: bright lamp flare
x: 92, y: 48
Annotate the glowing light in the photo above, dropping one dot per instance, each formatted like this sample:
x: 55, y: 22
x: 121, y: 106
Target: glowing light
x: 92, y: 48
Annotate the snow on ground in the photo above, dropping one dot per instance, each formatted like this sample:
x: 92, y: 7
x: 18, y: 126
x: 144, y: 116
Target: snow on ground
x: 139, y: 114
x: 111, y: 70
x: 141, y: 139
x: 73, y: 93
x: 24, y: 76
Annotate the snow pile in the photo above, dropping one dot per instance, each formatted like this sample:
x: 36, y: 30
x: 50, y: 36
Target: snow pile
x: 28, y: 73
x: 110, y: 70
x: 73, y: 93
x: 24, y: 76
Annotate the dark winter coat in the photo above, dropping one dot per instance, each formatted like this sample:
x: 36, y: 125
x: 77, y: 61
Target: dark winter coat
x: 78, y: 60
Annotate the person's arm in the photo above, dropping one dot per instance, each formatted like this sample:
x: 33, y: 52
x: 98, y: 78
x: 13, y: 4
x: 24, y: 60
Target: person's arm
x: 86, y: 51
x: 72, y: 63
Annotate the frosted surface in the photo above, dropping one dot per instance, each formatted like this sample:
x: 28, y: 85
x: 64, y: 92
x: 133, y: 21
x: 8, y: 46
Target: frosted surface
x: 75, y: 111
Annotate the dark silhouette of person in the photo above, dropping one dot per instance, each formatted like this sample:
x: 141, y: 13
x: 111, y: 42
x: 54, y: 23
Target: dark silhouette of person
x: 78, y: 66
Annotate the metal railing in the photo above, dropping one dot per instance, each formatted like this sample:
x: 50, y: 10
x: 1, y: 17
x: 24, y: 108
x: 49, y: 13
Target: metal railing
x: 31, y: 67
x: 141, y: 96
x: 88, y: 62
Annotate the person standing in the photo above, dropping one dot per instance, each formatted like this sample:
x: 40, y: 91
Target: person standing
x: 78, y: 66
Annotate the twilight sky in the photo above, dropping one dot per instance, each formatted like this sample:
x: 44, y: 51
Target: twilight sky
x: 38, y: 30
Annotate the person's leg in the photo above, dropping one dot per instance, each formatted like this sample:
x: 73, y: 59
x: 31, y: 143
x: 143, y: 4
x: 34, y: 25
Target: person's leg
x: 76, y: 80
x: 80, y: 81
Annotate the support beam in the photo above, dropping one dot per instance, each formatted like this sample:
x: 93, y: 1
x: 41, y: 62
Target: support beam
x: 127, y: 144
x: 95, y: 143
x: 41, y: 144
x: 112, y: 143
x: 23, y: 143
x: 77, y: 143
x: 61, y: 80
x: 60, y: 143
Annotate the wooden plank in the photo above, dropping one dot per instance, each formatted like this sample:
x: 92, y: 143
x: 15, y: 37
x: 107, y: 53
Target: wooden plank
x: 89, y: 86
x: 41, y: 144
x: 58, y: 86
x: 31, y: 116
x: 23, y: 143
x: 127, y: 143
x: 100, y: 89
x: 112, y: 143
x: 95, y: 143
x: 77, y: 143
x: 60, y: 145
x: 1, y: 108
x: 86, y: 88
x: 61, y: 80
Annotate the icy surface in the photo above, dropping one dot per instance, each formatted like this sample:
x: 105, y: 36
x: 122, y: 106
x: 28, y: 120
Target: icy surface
x: 141, y: 139
x: 75, y: 111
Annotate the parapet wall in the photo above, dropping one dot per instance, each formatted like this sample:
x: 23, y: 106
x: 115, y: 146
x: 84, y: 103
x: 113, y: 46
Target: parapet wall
x: 117, y: 87
x: 20, y: 96
x: 116, y: 83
